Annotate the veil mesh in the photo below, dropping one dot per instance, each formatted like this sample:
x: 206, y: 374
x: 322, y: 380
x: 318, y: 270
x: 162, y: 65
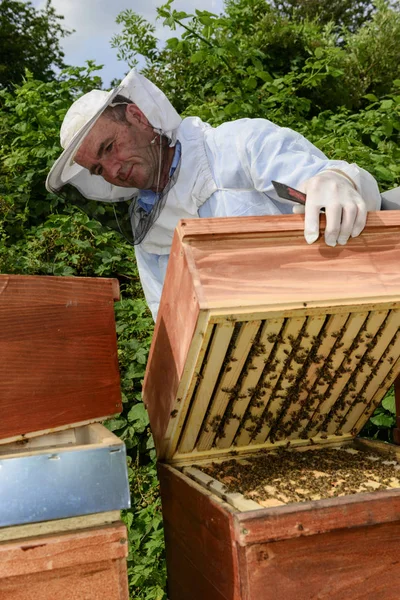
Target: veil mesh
x: 123, y: 215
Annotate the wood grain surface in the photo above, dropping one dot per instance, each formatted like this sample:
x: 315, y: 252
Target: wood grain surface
x: 58, y: 526
x: 201, y: 559
x: 272, y: 225
x: 321, y: 516
x: 335, y: 549
x: 88, y: 565
x: 58, y: 352
x: 286, y: 271
x: 172, y: 337
x: 358, y: 564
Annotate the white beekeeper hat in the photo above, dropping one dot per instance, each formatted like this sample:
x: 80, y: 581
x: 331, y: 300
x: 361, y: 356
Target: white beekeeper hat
x: 81, y: 117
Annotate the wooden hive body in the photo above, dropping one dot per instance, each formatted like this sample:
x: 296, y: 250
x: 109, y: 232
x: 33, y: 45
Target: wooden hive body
x: 261, y: 342
x: 63, y: 477
x: 58, y: 353
x: 84, y: 562
x: 262, y: 339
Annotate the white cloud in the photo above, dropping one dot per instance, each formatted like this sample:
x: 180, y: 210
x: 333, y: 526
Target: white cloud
x: 94, y: 25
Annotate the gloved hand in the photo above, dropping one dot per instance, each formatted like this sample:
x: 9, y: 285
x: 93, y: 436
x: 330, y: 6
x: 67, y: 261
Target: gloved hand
x: 346, y: 211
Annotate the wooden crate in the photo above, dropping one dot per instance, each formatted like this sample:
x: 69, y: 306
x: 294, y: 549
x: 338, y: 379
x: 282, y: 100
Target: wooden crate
x: 263, y: 342
x: 88, y: 562
x: 332, y: 549
x: 58, y: 353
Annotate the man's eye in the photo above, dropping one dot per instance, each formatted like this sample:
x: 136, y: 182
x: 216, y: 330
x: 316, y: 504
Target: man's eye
x: 99, y: 170
x: 109, y: 147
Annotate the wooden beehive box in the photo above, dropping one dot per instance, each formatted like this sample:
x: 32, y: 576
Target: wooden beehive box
x: 264, y: 344
x: 58, y: 353
x: 63, y: 475
x: 67, y: 560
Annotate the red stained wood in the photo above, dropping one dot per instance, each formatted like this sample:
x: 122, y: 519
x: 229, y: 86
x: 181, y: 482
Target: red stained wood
x: 286, y: 271
x: 336, y: 549
x: 58, y: 352
x: 171, y: 341
x: 201, y: 558
x: 185, y: 578
x: 339, y: 548
x: 273, y: 225
x: 311, y: 518
x: 74, y: 566
x: 357, y: 564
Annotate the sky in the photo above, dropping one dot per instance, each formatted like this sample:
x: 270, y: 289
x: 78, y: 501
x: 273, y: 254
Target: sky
x: 94, y: 25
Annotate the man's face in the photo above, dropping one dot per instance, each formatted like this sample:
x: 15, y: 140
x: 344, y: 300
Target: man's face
x: 123, y: 153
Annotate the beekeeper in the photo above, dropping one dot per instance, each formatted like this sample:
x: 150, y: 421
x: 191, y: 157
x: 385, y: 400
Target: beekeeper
x: 130, y: 148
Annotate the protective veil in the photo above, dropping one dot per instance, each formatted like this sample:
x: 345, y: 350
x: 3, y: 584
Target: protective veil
x: 77, y: 185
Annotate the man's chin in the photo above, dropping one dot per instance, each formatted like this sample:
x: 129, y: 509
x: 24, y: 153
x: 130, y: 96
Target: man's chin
x: 124, y: 184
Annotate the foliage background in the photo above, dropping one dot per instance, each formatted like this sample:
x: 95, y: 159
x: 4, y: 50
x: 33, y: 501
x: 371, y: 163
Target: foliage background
x: 336, y: 81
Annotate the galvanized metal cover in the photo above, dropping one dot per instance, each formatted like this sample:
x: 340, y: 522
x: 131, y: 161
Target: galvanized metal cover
x: 60, y: 484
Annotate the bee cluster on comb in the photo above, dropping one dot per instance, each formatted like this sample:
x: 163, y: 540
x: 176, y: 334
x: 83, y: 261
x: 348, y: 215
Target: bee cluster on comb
x: 287, y: 476
x: 297, y: 378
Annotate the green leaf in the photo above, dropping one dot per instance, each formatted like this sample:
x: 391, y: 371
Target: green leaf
x: 197, y: 56
x: 371, y: 97
x: 128, y: 519
x: 389, y: 403
x: 205, y: 20
x: 114, y: 424
x: 251, y: 83
x: 387, y: 127
x: 150, y: 443
x: 384, y: 173
x: 179, y: 15
x: 383, y: 420
x: 134, y: 371
x: 138, y: 414
x: 264, y: 75
x: 385, y: 104
x: 172, y: 43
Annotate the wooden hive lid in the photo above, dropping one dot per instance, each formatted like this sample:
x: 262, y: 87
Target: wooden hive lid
x: 58, y: 353
x: 263, y: 340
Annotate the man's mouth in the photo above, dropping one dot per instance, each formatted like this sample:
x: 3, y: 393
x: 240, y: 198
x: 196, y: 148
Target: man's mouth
x: 125, y: 177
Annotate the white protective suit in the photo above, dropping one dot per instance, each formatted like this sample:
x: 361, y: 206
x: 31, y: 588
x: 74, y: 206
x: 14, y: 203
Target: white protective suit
x: 223, y: 171
x: 226, y: 172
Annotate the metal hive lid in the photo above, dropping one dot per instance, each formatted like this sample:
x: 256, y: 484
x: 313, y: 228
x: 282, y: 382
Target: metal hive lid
x: 249, y: 375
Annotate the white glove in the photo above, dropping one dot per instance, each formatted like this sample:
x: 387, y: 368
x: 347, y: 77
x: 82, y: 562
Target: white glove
x: 346, y: 211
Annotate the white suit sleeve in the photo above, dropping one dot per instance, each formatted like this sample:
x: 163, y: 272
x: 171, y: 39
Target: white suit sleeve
x: 301, y: 160
x: 151, y: 269
x: 286, y: 156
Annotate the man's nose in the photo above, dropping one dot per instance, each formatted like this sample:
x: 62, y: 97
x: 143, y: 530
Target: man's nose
x: 111, y: 167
